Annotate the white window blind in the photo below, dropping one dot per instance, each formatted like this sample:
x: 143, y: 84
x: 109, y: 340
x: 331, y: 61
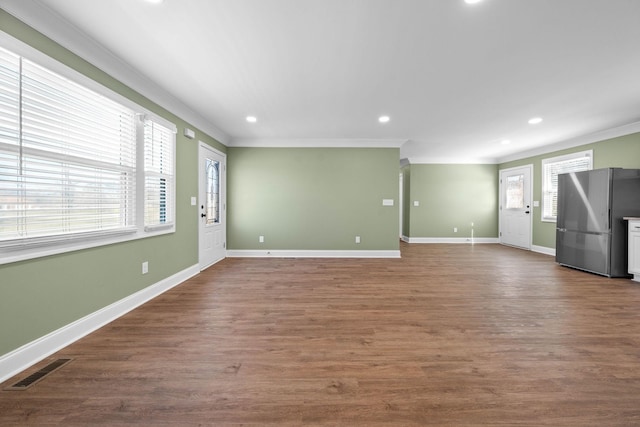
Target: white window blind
x: 67, y: 157
x: 551, y: 168
x: 77, y: 169
x: 159, y: 182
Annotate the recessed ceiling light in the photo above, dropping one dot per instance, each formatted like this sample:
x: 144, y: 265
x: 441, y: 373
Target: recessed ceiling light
x: 384, y: 119
x: 252, y: 119
x: 535, y: 120
x: 155, y: 1
x: 505, y: 142
x: 472, y: 1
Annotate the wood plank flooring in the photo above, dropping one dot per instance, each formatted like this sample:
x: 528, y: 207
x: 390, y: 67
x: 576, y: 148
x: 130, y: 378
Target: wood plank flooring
x: 449, y: 335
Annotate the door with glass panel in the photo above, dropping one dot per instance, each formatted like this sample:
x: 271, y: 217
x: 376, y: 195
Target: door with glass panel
x: 211, y: 206
x: 515, y: 207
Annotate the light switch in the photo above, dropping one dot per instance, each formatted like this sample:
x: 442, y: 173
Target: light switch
x: 536, y: 203
x: 387, y: 202
x: 193, y: 201
x: 416, y: 203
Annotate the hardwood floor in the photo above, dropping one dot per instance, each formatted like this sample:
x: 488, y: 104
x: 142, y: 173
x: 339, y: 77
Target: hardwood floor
x: 449, y: 335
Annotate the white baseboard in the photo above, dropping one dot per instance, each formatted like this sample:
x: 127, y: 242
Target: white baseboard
x: 29, y: 354
x: 543, y: 250
x: 455, y: 240
x: 310, y: 254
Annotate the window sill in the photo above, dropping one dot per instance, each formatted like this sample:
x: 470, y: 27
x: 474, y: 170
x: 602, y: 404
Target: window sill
x: 11, y: 254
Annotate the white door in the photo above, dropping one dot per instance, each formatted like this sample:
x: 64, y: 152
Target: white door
x: 211, y: 206
x: 515, y: 207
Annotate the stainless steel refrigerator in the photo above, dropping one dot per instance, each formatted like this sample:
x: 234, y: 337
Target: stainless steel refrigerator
x: 591, y: 234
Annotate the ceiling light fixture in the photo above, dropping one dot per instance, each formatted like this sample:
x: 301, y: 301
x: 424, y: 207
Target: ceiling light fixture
x: 384, y: 119
x: 155, y: 1
x: 505, y: 142
x: 535, y: 120
x: 252, y: 119
x: 472, y: 1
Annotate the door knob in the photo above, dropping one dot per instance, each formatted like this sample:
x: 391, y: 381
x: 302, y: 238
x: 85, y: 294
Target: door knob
x: 203, y: 215
x: 524, y: 212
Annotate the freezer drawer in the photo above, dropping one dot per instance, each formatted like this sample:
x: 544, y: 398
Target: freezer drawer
x: 585, y: 251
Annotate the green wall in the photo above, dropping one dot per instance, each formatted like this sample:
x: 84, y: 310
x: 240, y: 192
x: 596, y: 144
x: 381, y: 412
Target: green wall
x: 452, y: 196
x: 299, y: 199
x: 42, y: 295
x: 312, y: 198
x: 623, y: 152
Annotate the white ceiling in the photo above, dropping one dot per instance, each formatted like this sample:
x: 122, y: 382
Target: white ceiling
x: 456, y: 79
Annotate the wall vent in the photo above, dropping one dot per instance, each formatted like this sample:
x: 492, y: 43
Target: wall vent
x: 39, y: 375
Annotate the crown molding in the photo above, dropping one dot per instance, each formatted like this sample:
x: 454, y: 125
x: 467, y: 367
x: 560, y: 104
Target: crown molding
x: 603, y: 135
x: 317, y: 143
x: 55, y: 27
x: 450, y: 161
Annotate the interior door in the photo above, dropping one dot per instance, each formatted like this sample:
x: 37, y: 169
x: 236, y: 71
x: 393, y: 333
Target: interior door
x: 211, y: 206
x: 515, y: 207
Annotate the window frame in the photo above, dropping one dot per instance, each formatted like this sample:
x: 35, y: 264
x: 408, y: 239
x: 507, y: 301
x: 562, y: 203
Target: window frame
x: 555, y: 160
x: 23, y: 249
x: 170, y: 178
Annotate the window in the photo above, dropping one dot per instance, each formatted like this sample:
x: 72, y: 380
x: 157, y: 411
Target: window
x: 76, y: 165
x: 551, y: 168
x: 158, y: 173
x: 515, y: 192
x: 213, y: 191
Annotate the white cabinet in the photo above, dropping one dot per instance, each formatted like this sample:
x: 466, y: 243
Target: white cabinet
x: 634, y: 248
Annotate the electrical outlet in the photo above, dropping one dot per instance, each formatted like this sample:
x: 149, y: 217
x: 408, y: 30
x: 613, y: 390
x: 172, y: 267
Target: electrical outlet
x: 261, y: 239
x: 145, y: 267
x: 455, y: 229
x: 357, y: 239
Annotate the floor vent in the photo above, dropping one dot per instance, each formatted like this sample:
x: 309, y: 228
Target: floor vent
x: 39, y: 375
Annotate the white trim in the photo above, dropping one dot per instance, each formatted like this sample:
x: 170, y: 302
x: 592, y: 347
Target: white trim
x: 450, y: 161
x: 70, y: 37
x: 31, y: 353
x: 9, y: 255
x: 450, y: 240
x: 317, y: 143
x: 578, y: 141
x: 310, y: 254
x: 603, y: 135
x: 543, y: 250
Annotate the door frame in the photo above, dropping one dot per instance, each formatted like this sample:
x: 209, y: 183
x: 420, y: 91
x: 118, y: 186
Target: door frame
x: 223, y: 200
x: 401, y: 204
x: 500, y: 200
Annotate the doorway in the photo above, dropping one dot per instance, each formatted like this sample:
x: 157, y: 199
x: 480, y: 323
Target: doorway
x: 212, y: 236
x: 515, y: 206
